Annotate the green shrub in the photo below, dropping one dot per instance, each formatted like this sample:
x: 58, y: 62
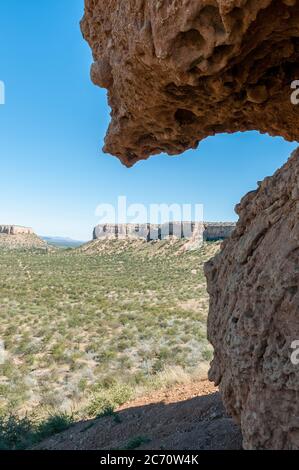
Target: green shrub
x: 105, y: 401
x: 54, y: 424
x: 22, y: 433
x: 16, y: 433
x: 136, y: 442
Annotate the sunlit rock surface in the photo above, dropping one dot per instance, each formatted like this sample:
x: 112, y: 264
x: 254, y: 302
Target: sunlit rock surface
x: 180, y: 70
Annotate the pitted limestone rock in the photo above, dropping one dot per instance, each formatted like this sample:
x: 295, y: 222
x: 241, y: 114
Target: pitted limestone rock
x: 181, y: 70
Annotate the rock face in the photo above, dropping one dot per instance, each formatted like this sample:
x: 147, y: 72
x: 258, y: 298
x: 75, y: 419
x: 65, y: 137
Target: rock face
x: 181, y: 70
x: 218, y: 230
x: 208, y: 231
x: 15, y: 230
x: 254, y: 313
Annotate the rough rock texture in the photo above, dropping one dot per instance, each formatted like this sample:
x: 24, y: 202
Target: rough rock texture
x: 15, y: 230
x: 180, y: 70
x: 254, y: 313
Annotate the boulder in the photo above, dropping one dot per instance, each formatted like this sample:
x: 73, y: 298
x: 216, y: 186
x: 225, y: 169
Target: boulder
x: 254, y: 313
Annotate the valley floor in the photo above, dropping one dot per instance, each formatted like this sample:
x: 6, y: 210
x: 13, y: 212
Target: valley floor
x: 86, y: 330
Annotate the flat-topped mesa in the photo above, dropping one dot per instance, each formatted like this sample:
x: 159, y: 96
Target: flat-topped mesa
x: 180, y: 230
x: 15, y: 230
x: 15, y: 237
x: 179, y: 71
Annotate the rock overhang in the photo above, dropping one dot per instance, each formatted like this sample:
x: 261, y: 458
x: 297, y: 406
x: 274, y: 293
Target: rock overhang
x: 182, y: 70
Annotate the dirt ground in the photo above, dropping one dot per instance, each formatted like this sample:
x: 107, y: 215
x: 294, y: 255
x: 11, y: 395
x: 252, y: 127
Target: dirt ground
x: 185, y: 417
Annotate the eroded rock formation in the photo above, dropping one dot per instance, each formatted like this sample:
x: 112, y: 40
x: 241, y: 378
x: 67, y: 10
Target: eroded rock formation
x: 254, y: 313
x: 15, y: 230
x: 15, y: 237
x: 207, y: 231
x: 180, y: 70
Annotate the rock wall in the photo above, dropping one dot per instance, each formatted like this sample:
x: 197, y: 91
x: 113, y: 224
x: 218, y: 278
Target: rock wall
x: 181, y: 70
x: 15, y: 230
x: 254, y: 313
x: 209, y: 231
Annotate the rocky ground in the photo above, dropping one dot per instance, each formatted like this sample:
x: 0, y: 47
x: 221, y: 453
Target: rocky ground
x: 185, y: 417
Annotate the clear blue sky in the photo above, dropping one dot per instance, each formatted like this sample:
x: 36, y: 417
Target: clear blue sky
x: 53, y: 173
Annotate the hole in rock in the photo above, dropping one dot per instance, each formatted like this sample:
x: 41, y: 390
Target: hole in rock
x: 210, y: 15
x: 184, y: 117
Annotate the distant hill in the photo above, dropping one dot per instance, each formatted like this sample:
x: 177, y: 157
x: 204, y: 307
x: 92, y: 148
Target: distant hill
x: 16, y: 237
x: 142, y: 248
x: 22, y: 241
x: 61, y: 242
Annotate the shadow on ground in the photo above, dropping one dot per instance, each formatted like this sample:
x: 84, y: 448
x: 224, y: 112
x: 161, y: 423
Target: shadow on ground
x: 199, y: 423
